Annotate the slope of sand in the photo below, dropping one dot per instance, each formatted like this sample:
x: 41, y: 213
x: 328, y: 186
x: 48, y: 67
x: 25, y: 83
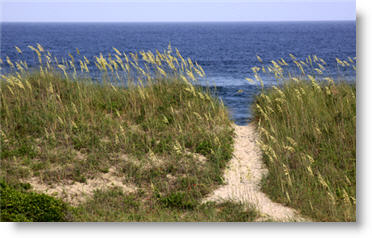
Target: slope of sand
x: 243, y: 176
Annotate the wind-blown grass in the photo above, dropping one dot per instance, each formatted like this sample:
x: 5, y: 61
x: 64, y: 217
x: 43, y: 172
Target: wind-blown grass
x: 143, y: 118
x: 308, y: 139
x: 145, y: 121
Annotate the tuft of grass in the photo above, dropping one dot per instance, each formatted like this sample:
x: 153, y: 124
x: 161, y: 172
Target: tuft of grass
x: 308, y: 138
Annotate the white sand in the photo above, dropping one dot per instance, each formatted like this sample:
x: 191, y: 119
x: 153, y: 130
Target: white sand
x: 75, y: 192
x: 243, y: 176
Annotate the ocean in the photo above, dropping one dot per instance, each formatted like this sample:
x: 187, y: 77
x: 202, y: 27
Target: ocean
x: 226, y: 51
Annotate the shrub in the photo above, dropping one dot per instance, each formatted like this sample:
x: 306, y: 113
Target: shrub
x: 19, y: 206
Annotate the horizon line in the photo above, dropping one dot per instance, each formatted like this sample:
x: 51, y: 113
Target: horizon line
x: 253, y: 21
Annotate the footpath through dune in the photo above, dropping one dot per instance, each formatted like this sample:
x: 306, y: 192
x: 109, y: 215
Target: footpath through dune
x: 243, y: 176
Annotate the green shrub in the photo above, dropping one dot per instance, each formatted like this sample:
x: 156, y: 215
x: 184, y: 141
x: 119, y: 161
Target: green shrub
x: 19, y: 206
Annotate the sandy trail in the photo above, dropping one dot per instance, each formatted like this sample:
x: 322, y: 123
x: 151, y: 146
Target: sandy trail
x: 243, y: 175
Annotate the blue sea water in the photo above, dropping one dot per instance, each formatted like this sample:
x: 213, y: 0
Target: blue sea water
x: 226, y: 51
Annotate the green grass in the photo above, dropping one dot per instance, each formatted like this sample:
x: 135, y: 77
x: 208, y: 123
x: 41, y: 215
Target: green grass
x: 59, y: 130
x: 113, y: 205
x: 308, y: 139
x: 157, y: 132
x: 168, y: 138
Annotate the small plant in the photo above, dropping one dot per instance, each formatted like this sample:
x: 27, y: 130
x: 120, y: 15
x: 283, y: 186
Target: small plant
x: 178, y: 200
x: 233, y: 212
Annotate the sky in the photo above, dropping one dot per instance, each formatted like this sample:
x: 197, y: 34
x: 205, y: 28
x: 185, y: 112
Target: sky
x: 175, y: 11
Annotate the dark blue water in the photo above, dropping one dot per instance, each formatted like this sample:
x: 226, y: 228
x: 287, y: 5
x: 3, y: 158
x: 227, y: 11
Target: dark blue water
x: 226, y: 51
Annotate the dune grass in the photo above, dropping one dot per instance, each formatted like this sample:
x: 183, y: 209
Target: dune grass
x: 145, y: 122
x: 308, y: 138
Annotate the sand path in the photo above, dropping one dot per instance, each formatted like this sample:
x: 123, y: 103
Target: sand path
x: 243, y: 176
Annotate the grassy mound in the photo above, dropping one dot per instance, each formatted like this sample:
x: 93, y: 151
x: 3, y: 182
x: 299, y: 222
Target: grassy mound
x: 50, y: 122
x: 308, y: 137
x: 170, y: 140
x: 143, y: 124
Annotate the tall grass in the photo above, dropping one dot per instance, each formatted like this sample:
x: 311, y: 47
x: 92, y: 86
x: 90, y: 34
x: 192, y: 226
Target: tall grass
x: 141, y: 114
x: 142, y: 117
x: 308, y: 138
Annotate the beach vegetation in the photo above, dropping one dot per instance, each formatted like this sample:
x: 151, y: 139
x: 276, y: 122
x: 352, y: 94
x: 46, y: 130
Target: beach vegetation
x: 307, y: 127
x: 137, y: 122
